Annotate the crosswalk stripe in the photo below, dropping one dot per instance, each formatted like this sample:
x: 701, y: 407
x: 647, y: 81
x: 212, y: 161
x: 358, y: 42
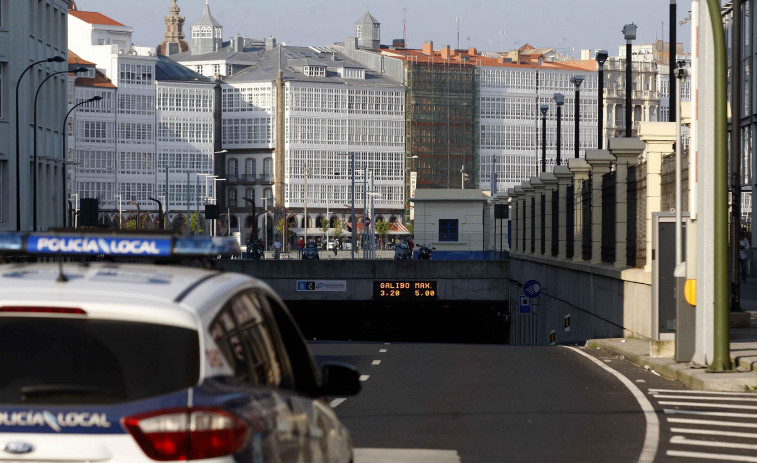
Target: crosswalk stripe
x: 685, y: 391
x: 709, y: 405
x: 711, y: 456
x: 367, y: 455
x: 682, y: 440
x: 686, y: 397
x: 702, y: 412
x: 735, y: 424
x: 336, y: 402
x: 715, y: 432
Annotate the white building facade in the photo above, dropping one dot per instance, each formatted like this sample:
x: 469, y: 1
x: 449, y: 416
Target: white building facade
x: 332, y: 107
x: 510, y: 121
x: 30, y: 32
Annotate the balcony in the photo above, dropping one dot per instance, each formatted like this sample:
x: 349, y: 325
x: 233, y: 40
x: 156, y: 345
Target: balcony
x: 249, y: 179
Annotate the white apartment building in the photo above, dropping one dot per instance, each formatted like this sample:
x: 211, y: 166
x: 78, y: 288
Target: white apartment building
x: 31, y: 31
x: 162, y: 128
x: 510, y: 121
x: 332, y: 106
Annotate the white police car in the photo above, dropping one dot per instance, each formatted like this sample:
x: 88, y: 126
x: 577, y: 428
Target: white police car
x: 126, y: 362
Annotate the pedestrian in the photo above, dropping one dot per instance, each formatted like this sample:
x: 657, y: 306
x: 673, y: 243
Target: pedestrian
x: 410, y: 244
x: 276, y: 249
x: 300, y: 247
x: 744, y: 255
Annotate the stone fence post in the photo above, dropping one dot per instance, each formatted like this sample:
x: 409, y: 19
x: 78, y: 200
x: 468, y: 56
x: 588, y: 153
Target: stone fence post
x: 538, y: 187
x: 626, y: 152
x: 659, y: 138
x: 580, y: 170
x: 550, y: 185
x: 528, y: 195
x: 564, y: 178
x: 601, y: 162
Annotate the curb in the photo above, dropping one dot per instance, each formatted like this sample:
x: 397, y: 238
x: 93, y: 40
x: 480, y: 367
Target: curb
x: 694, y: 378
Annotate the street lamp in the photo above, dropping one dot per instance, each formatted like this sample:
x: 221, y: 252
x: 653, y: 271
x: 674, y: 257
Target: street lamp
x: 160, y: 211
x: 53, y: 59
x: 34, y: 150
x: 559, y: 101
x: 544, y: 108
x: 629, y: 32
x: 305, y: 200
x: 120, y: 219
x: 463, y: 176
x: 352, y: 168
x: 601, y: 57
x: 63, y: 145
x: 215, y: 201
x: 576, y: 80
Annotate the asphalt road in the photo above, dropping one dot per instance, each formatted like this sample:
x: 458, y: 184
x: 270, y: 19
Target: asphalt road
x: 486, y: 403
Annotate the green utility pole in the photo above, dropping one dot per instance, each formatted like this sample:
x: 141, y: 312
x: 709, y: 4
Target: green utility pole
x: 721, y: 360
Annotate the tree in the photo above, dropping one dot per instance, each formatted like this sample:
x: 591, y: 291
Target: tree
x: 338, y: 229
x: 411, y: 227
x: 382, y: 229
x: 195, y: 226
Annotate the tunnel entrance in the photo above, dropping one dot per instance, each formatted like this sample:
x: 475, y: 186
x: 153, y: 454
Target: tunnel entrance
x: 479, y: 322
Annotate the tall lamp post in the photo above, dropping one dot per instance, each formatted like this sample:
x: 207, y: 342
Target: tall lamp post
x: 53, y: 59
x: 352, y: 168
x: 215, y: 201
x: 63, y: 145
x: 544, y: 108
x: 305, y: 199
x: 601, y: 57
x: 576, y: 80
x: 34, y: 150
x: 559, y: 101
x: 629, y: 32
x: 160, y: 211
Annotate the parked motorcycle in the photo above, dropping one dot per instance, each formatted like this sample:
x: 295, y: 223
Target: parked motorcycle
x: 310, y: 252
x: 424, y: 252
x: 402, y: 251
x: 258, y: 253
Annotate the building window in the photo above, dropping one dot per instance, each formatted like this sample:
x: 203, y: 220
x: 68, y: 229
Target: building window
x: 232, y: 198
x: 232, y: 168
x: 448, y: 230
x: 249, y: 167
x: 268, y: 166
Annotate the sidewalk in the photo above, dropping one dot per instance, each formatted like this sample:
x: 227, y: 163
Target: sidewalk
x: 743, y: 354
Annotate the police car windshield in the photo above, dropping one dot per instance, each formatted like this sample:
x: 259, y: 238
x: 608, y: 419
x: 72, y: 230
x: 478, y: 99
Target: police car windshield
x: 58, y: 360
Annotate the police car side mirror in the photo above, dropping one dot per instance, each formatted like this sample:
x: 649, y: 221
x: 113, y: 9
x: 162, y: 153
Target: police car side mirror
x: 340, y: 379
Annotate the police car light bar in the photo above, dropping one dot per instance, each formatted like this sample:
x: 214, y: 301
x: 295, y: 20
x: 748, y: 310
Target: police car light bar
x: 116, y: 245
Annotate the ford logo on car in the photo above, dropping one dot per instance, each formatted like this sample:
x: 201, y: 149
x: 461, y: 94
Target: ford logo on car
x: 18, y: 448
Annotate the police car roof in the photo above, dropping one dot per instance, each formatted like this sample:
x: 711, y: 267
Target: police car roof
x: 155, y: 293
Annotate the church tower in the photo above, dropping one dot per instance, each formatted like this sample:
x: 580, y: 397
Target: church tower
x: 173, y: 42
x: 207, y: 33
x: 368, y: 32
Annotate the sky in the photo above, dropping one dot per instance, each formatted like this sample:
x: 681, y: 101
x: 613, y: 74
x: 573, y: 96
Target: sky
x: 491, y: 25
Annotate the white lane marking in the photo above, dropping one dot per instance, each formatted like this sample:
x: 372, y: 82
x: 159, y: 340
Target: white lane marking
x: 705, y: 443
x: 382, y: 350
x: 686, y: 391
x: 364, y: 378
x: 702, y: 412
x: 336, y: 402
x: 688, y: 397
x: 708, y: 405
x: 735, y: 424
x: 710, y: 456
x: 652, y: 437
x: 607, y: 361
x: 715, y: 432
x: 376, y: 362
x: 363, y: 455
x: 387, y: 343
x: 640, y: 381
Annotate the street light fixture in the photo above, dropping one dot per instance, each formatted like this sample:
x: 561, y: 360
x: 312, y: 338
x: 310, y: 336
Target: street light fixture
x: 63, y: 145
x: 34, y: 151
x: 577, y: 80
x: 601, y: 57
x: 160, y: 211
x: 53, y: 59
x: 559, y: 101
x: 352, y: 168
x: 629, y: 32
x: 544, y: 108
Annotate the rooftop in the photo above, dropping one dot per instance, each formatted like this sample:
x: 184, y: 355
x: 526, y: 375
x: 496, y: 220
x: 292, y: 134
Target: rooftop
x: 93, y: 17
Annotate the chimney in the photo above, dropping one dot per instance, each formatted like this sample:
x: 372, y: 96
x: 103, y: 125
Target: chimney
x: 445, y: 52
x: 428, y: 47
x: 270, y: 43
x: 472, y: 52
x: 238, y: 43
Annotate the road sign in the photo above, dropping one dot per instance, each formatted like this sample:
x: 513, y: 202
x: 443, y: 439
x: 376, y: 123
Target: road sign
x: 525, y: 304
x: 532, y: 289
x: 367, y: 220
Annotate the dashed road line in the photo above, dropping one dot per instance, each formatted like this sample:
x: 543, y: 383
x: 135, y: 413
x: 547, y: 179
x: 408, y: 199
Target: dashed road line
x: 709, y: 405
x: 714, y: 432
x: 376, y: 362
x: 364, y: 378
x: 382, y: 350
x: 706, y: 443
x: 705, y: 413
x: 735, y: 424
x: 687, y: 391
x: 711, y: 456
x: 336, y: 402
x: 715, y: 398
